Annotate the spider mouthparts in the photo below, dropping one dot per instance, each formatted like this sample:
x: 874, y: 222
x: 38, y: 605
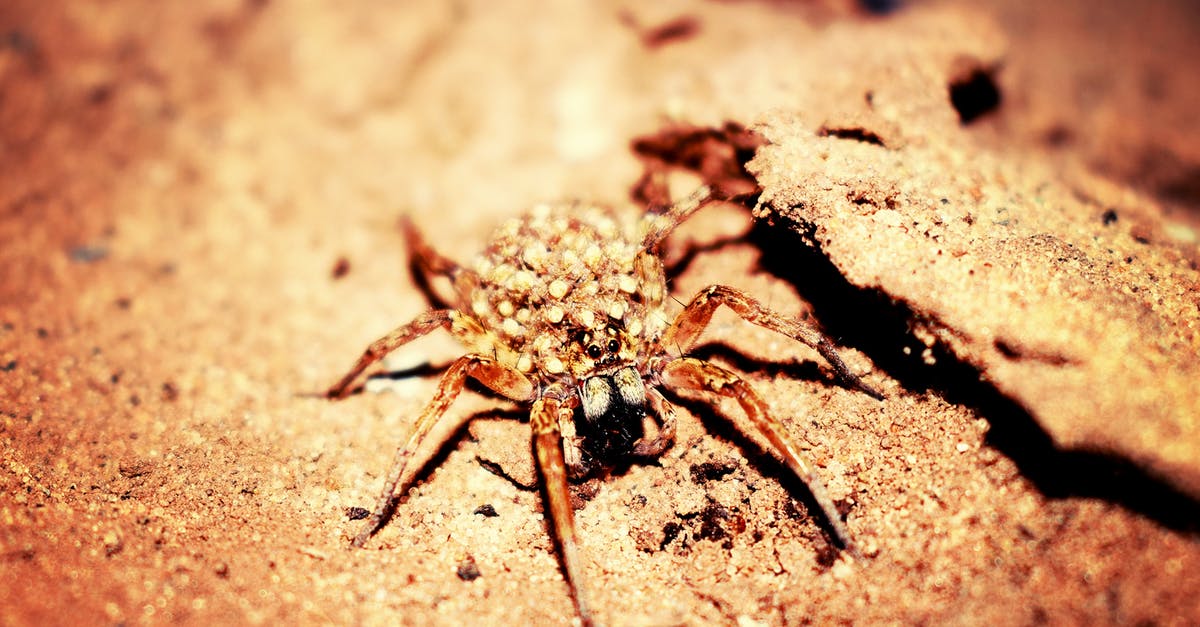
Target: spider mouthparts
x: 613, y: 409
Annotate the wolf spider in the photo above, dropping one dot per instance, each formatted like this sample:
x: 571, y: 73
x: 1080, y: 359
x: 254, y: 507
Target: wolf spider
x: 564, y: 311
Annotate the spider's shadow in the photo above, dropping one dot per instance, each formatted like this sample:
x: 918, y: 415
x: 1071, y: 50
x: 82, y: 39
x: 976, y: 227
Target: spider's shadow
x: 870, y: 321
x: 806, y: 370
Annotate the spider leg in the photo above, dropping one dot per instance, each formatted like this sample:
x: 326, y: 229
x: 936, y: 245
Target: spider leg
x: 688, y: 325
x: 547, y: 442
x: 430, y: 261
x: 666, y: 432
x: 689, y: 373
x: 660, y: 226
x: 500, y: 378
x: 422, y: 325
x: 652, y: 280
x: 577, y: 467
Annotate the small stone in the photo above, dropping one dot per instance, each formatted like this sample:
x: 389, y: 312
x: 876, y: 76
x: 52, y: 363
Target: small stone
x: 468, y: 570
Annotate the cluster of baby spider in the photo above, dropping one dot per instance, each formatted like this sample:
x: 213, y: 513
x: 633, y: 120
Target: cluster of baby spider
x: 564, y: 311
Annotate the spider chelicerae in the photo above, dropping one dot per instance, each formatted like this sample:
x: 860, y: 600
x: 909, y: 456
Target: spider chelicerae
x: 564, y: 311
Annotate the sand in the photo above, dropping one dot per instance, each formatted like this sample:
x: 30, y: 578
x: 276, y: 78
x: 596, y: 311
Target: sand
x: 993, y: 209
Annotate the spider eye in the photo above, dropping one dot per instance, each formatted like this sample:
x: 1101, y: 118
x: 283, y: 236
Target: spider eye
x: 613, y: 346
x: 594, y: 351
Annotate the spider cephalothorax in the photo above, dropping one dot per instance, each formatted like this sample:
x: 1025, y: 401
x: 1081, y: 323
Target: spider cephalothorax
x: 564, y: 311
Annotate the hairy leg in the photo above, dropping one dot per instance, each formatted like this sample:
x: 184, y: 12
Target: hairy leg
x: 660, y: 226
x: 689, y: 373
x: 422, y: 325
x: 694, y: 318
x: 666, y: 432
x: 427, y: 264
x: 565, y: 427
x: 547, y: 443
x: 430, y: 261
x: 500, y: 378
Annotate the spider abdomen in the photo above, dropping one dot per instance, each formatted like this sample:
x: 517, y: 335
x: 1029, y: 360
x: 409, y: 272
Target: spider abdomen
x: 551, y: 276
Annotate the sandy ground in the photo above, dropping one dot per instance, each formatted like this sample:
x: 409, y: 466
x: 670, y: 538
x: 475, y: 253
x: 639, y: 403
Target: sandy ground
x: 994, y: 210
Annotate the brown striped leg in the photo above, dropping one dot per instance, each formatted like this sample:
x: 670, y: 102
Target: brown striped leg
x: 500, y: 378
x: 547, y: 442
x: 666, y: 431
x: 689, y: 373
x: 688, y: 325
x: 379, y: 349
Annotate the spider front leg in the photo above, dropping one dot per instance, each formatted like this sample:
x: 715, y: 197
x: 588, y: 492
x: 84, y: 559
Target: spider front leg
x: 688, y: 325
x: 647, y: 448
x: 666, y: 431
x: 544, y: 419
x: 496, y: 376
x: 691, y: 374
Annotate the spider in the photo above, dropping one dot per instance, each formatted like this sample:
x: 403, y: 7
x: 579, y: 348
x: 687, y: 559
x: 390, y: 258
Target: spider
x: 564, y: 311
